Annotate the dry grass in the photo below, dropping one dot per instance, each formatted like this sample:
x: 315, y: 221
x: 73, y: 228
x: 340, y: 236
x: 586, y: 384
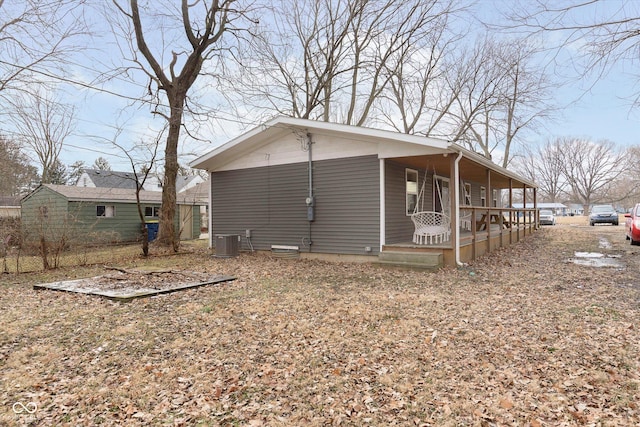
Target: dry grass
x: 519, y: 338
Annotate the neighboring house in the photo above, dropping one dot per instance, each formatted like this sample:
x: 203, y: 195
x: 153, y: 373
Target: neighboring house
x: 9, y: 207
x: 576, y: 209
x: 95, y: 215
x: 127, y: 180
x: 558, y: 209
x: 93, y: 178
x: 326, y: 188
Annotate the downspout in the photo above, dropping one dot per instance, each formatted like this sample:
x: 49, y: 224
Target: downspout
x: 310, y: 202
x: 456, y: 168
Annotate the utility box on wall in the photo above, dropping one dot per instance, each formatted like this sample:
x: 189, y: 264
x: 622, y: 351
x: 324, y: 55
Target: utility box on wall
x: 227, y: 245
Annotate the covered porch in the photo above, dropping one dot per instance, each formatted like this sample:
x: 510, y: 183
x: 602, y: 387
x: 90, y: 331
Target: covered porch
x: 474, y: 195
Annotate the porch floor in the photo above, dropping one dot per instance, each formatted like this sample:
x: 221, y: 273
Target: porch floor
x: 472, y: 245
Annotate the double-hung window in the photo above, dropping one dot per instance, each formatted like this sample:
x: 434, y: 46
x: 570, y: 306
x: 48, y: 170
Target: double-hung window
x: 152, y: 211
x: 411, y: 189
x: 105, y: 211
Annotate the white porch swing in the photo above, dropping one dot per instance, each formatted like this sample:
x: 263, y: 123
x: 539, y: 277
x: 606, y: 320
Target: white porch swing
x: 431, y: 226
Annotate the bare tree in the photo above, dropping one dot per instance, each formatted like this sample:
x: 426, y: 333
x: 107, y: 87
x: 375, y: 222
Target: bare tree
x: 334, y: 59
x: 185, y: 38
x: 142, y: 158
x: 590, y: 168
x: 16, y: 172
x: 543, y: 165
x: 417, y: 92
x: 626, y: 189
x: 605, y: 33
x: 502, y: 93
x: 477, y: 80
x: 43, y: 123
x: 36, y: 40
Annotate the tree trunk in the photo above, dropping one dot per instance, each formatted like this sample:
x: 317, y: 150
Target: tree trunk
x: 166, y: 233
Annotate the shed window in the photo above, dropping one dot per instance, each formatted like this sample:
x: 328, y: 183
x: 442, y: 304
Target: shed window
x: 107, y: 211
x: 483, y: 197
x: 495, y: 198
x: 411, y: 186
x: 152, y: 211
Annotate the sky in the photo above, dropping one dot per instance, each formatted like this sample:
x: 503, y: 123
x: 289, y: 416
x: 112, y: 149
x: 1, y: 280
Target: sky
x: 592, y: 109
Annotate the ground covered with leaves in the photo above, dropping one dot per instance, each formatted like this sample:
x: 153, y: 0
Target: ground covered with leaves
x: 520, y: 337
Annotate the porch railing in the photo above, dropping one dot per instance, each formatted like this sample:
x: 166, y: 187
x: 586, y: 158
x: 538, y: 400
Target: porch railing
x: 490, y: 220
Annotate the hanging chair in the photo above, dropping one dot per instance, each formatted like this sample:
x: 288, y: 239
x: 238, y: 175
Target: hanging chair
x: 430, y: 226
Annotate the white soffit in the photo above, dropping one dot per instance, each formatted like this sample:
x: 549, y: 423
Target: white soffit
x: 280, y: 140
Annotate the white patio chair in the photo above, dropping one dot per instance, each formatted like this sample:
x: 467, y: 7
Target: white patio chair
x: 433, y: 227
x: 465, y: 220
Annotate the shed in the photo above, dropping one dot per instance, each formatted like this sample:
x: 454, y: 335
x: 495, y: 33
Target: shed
x: 98, y: 215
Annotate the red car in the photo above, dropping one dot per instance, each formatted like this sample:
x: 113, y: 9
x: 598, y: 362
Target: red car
x: 632, y: 225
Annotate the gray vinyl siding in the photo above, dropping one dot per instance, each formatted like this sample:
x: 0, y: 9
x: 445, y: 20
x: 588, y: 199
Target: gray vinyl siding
x: 399, y: 227
x: 270, y: 201
x: 347, y: 206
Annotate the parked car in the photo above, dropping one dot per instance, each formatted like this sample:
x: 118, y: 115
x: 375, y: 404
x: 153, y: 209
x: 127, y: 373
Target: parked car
x: 603, y: 214
x: 632, y: 225
x: 547, y: 217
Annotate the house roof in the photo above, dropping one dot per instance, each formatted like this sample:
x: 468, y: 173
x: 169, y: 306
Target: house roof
x: 87, y: 194
x: 183, y: 181
x: 9, y: 201
x: 121, y: 195
x: 197, y: 194
x: 413, y: 149
x: 112, y: 179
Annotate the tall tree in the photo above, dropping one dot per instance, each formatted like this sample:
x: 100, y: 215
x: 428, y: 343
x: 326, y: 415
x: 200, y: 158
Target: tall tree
x: 543, y: 165
x: 332, y: 60
x: 43, y: 123
x: 502, y: 93
x: 75, y: 171
x: 184, y: 40
x: 58, y: 174
x: 16, y: 172
x: 36, y: 40
x: 101, y: 164
x: 590, y: 168
x: 607, y: 32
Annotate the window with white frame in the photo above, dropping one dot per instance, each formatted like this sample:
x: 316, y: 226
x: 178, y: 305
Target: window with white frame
x: 411, y: 189
x: 152, y: 211
x: 106, y: 211
x: 467, y: 194
x: 495, y: 198
x: 483, y: 197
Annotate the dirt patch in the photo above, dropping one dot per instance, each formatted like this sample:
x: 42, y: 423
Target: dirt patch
x: 126, y: 284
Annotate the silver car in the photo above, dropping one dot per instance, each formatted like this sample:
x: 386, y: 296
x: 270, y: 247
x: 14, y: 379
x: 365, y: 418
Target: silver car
x: 547, y: 217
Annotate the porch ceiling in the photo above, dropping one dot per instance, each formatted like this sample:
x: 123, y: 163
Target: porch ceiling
x: 469, y: 170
